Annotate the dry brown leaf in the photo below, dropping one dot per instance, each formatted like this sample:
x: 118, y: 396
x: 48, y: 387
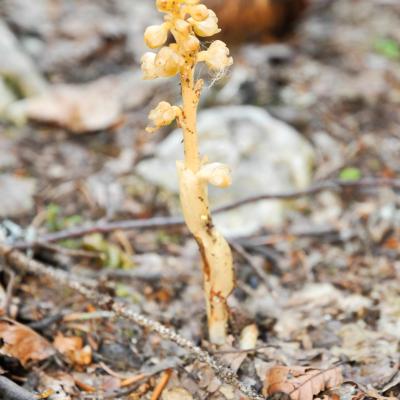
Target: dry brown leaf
x: 301, y: 383
x: 23, y: 343
x: 73, y: 349
x: 79, y: 108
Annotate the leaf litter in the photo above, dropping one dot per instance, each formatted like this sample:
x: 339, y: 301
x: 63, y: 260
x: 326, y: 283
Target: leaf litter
x: 22, y: 343
x: 333, y: 295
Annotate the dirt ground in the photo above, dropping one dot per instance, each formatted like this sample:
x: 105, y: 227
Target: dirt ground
x: 323, y: 289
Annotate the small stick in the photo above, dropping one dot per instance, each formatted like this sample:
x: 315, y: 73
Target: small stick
x: 257, y: 269
x: 161, y: 384
x: 134, y: 379
x: 170, y: 222
x: 84, y: 386
x: 67, y: 252
x: 9, y: 291
x: 11, y: 391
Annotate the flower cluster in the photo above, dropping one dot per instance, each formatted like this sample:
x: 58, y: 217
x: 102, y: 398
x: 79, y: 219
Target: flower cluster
x: 216, y: 174
x: 184, y: 22
x: 163, y: 115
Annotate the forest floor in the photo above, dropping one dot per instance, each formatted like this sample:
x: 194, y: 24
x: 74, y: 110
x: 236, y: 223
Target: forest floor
x: 323, y: 289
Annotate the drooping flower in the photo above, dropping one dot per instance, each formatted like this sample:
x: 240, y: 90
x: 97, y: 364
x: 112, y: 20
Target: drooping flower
x: 199, y: 12
x: 168, y: 62
x: 190, y: 44
x: 148, y: 66
x: 163, y: 115
x: 206, y: 27
x: 216, y: 57
x: 156, y: 35
x: 216, y: 174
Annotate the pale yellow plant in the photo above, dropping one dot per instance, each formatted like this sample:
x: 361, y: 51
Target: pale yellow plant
x: 186, y: 21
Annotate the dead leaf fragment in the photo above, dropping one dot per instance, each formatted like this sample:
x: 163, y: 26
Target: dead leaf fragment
x: 176, y: 394
x: 23, y: 343
x: 73, y: 349
x: 59, y: 386
x: 301, y: 383
x: 84, y: 108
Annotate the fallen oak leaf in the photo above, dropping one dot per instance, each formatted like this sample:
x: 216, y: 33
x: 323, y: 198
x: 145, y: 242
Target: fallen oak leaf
x: 23, y: 343
x: 79, y: 108
x: 301, y: 383
x: 73, y: 349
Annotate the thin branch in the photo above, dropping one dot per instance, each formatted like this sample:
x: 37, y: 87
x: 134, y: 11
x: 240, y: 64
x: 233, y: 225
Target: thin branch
x: 257, y: 268
x: 67, y: 252
x: 11, y: 391
x: 9, y: 291
x: 20, y: 261
x: 246, y: 351
x: 323, y: 186
x: 169, y: 222
x: 103, y: 227
x: 163, y: 382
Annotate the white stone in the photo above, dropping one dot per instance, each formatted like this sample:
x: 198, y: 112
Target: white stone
x: 16, y: 195
x: 264, y: 154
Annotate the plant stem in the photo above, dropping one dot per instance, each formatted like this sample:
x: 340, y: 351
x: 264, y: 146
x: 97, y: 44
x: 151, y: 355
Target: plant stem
x: 214, y: 249
x: 190, y: 103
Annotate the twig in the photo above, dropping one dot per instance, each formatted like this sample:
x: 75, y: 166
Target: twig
x: 133, y: 382
x: 20, y: 261
x: 168, y: 222
x: 87, y: 316
x: 9, y: 291
x: 67, y: 252
x: 163, y: 382
x: 246, y: 351
x: 126, y: 392
x: 11, y: 391
x: 331, y: 185
x: 104, y: 227
x: 46, y: 322
x: 257, y: 268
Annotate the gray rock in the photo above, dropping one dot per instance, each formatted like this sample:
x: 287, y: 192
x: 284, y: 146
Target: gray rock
x: 8, y: 158
x: 17, y: 67
x: 16, y: 195
x: 265, y: 155
x: 138, y: 15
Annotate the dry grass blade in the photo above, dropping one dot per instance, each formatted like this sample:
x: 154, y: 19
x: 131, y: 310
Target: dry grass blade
x: 301, y: 383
